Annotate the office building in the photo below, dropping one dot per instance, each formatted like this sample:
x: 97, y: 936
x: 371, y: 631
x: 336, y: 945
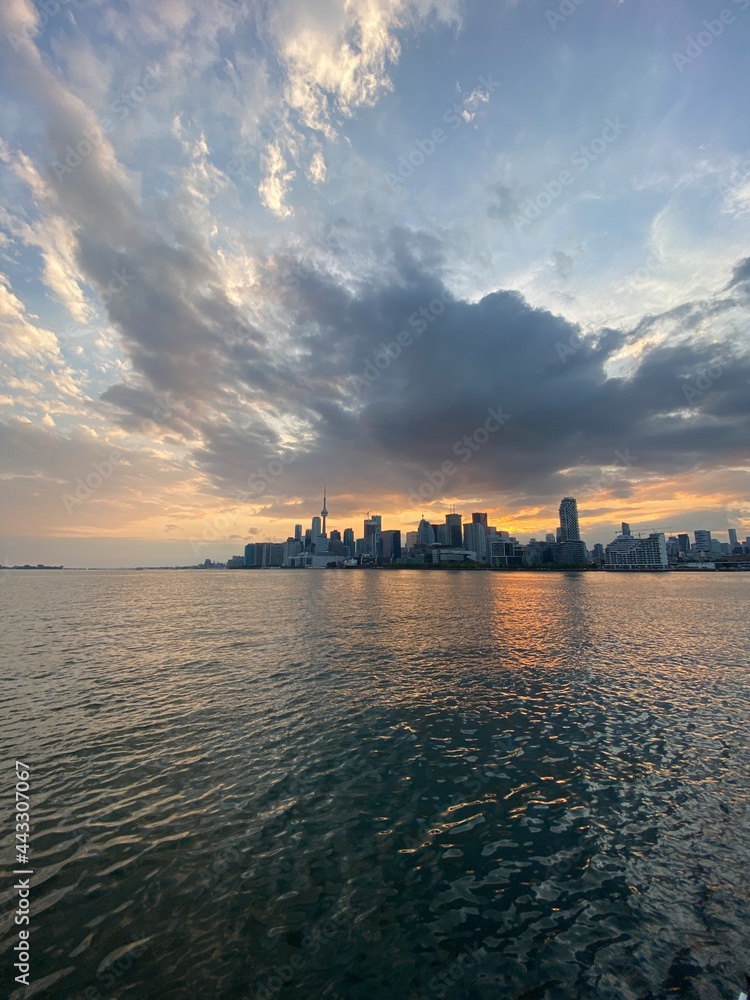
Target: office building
x: 453, y: 522
x: 425, y: 534
x: 475, y: 539
x: 373, y: 525
x: 391, y: 545
x: 480, y: 519
x: 503, y: 554
x: 349, y: 541
x: 250, y: 554
x: 702, y: 541
x: 733, y: 543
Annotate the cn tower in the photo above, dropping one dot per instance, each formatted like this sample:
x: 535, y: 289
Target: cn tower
x: 324, y: 512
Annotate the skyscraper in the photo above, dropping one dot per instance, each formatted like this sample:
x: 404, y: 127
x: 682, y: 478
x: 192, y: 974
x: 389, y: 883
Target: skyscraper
x: 569, y: 520
x: 475, y: 539
x: 425, y: 534
x: 298, y: 532
x: 391, y: 550
x: 349, y: 540
x: 732, y: 539
x: 316, y: 524
x: 480, y: 519
x: 453, y: 522
x: 373, y: 525
x: 703, y: 541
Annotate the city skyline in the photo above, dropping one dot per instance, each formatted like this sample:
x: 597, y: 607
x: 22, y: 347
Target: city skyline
x: 220, y: 552
x: 436, y: 252
x: 486, y: 545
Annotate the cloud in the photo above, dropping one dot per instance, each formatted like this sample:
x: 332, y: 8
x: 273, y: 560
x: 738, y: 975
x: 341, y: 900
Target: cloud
x: 741, y: 273
x: 230, y: 247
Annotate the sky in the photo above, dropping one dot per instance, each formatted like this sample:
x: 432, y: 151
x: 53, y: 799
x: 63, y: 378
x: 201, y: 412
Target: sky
x: 437, y: 254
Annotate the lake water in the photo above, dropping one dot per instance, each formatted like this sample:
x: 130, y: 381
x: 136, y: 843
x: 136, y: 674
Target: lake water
x: 366, y: 785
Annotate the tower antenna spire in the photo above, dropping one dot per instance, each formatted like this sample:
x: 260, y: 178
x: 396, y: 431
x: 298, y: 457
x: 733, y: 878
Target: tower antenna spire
x: 324, y: 512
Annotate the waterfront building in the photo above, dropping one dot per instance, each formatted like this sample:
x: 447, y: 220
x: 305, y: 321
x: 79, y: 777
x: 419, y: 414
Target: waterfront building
x: 732, y: 533
x: 349, y: 541
x: 298, y: 532
x: 569, y: 531
x: 504, y: 554
x: 411, y: 540
x: 629, y: 553
x: 391, y: 545
x: 702, y: 541
x: 684, y: 543
x: 250, y: 554
x: 475, y: 539
x: 452, y: 555
x: 571, y: 553
x: 292, y: 548
x: 276, y: 555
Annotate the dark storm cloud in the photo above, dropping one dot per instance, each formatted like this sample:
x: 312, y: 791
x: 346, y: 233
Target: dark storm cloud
x: 378, y: 421
x: 566, y: 411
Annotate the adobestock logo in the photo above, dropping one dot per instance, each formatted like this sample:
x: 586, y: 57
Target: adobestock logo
x: 384, y: 357
x: 581, y: 158
x: 457, y: 115
x: 120, y: 110
x: 712, y: 29
x: 465, y: 448
x: 705, y: 379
